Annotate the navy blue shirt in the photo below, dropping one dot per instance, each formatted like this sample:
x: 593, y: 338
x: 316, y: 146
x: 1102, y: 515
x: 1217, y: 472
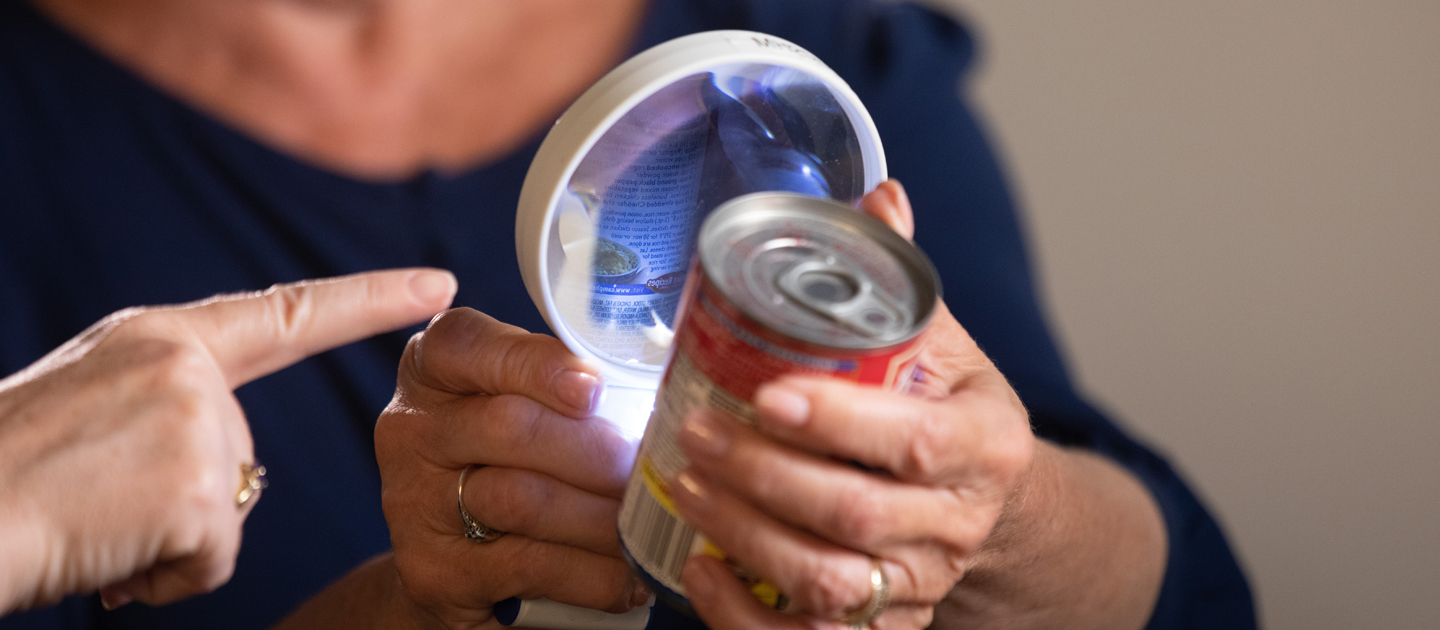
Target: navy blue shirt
x: 114, y: 194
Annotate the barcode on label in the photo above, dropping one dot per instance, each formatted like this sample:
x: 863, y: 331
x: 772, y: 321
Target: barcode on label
x: 657, y: 540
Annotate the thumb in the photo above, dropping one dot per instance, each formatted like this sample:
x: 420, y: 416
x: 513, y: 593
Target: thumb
x: 251, y: 335
x: 889, y: 203
x: 950, y: 355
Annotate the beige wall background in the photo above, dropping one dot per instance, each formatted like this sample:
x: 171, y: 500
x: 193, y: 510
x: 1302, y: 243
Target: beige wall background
x: 1234, y: 210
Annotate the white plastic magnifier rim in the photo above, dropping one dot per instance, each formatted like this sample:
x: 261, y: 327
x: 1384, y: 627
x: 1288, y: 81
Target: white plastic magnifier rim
x: 615, y: 94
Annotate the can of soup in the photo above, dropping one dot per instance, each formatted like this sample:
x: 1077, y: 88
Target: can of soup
x: 783, y: 284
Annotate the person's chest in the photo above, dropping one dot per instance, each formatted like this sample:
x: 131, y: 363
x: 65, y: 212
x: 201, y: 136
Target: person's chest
x: 380, y: 92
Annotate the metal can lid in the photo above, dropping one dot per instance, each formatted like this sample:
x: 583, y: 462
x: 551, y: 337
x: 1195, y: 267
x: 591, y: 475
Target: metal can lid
x: 614, y: 198
x: 816, y: 271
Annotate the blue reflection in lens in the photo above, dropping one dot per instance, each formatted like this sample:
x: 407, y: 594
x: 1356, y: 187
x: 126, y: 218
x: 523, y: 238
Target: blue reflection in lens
x: 657, y: 172
x: 766, y: 153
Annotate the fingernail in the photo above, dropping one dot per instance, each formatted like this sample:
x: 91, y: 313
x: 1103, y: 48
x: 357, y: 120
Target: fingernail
x: 896, y: 189
x: 782, y: 405
x: 698, y: 582
x: 432, y: 286
x: 579, y: 389
x: 113, y: 601
x: 640, y: 596
x: 703, y: 434
x: 685, y: 483
x: 892, y: 202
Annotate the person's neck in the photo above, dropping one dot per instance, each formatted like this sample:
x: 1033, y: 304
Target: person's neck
x: 371, y: 88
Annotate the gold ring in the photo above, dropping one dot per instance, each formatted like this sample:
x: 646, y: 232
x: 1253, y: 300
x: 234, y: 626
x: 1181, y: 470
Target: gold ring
x: 475, y: 530
x: 252, y: 481
x: 863, y: 616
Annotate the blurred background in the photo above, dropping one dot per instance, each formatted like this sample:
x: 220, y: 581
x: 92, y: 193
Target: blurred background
x: 1233, y: 206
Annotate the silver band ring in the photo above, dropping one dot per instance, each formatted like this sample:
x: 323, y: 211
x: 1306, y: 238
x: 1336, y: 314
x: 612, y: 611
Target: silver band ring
x: 252, y: 481
x: 863, y: 616
x: 475, y: 530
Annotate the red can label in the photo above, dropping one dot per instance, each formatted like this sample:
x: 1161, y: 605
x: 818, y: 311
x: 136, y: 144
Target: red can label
x: 721, y: 357
x: 739, y: 355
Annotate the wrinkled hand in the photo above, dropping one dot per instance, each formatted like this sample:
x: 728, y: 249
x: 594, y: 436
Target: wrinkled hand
x: 782, y: 499
x: 517, y: 406
x: 120, y: 451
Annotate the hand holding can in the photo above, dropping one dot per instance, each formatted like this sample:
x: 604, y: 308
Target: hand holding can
x: 781, y: 498
x: 783, y: 284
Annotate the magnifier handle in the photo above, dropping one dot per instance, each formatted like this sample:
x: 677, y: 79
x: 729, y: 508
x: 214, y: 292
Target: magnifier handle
x: 543, y: 613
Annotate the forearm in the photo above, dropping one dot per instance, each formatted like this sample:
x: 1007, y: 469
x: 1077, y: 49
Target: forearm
x: 370, y: 596
x: 1081, y: 544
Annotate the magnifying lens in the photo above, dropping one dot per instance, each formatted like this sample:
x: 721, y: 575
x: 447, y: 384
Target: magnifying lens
x: 609, y: 211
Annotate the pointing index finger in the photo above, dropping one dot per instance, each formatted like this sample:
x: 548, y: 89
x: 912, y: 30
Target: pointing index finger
x: 251, y: 335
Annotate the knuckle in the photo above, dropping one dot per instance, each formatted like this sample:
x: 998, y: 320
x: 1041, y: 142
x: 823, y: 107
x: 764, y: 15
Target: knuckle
x: 1014, y: 452
x: 387, y: 436
x: 524, y: 356
x: 129, y: 316
x: 923, y: 617
x: 925, y: 454
x: 412, y: 360
x: 971, y: 529
x: 408, y: 500
x: 397, y: 506
x: 619, y: 584
x: 970, y: 540
x: 607, y: 438
x: 135, y: 321
x: 190, y: 414
x: 216, y: 573
x: 200, y: 488
x: 148, y: 348
x: 513, y: 499
x: 516, y: 419
x: 198, y: 520
x: 205, y: 495
x: 420, y: 581
x: 548, y: 564
x: 290, y: 307
x: 831, y: 590
x: 449, y: 320
x: 906, y: 618
x: 761, y: 475
x: 189, y: 421
x: 191, y: 473
x: 614, y: 449
x: 396, y: 433
x: 461, y: 327
x: 486, y: 349
x: 173, y: 367
x: 931, y: 583
x: 427, y: 348
x: 860, y: 516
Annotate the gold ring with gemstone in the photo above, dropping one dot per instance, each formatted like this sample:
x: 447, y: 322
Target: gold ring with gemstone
x: 252, y: 481
x: 474, y: 530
